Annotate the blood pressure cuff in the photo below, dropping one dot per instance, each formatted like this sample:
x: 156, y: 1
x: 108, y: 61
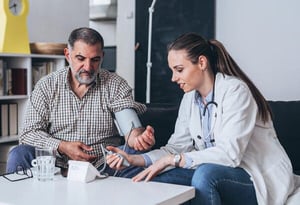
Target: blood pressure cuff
x: 126, y: 120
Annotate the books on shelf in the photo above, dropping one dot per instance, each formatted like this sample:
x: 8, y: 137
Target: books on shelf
x: 16, y: 75
x: 19, y: 81
x: 13, y: 80
x: 8, y: 82
x: 12, y: 119
x: 4, y: 119
x: 16, y: 81
x: 9, y: 119
x: 41, y: 69
x: 2, y: 68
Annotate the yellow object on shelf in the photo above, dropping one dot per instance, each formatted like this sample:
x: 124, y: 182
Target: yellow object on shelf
x: 13, y: 26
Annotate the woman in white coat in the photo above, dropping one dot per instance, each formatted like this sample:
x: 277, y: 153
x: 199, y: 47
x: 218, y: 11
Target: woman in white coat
x: 224, y: 143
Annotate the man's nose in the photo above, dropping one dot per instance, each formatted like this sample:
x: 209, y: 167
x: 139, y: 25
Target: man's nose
x: 88, y: 64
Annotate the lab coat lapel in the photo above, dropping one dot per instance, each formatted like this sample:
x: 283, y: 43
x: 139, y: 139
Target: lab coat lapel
x: 195, y: 122
x: 213, y: 117
x: 217, y: 110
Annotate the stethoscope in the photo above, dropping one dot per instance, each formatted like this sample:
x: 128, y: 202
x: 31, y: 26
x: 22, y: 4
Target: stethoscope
x: 206, y: 108
x: 210, y: 102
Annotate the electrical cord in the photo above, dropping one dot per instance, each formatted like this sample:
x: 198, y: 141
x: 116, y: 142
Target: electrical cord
x: 105, y: 152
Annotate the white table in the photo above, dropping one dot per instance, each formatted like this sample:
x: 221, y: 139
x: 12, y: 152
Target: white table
x: 109, y: 191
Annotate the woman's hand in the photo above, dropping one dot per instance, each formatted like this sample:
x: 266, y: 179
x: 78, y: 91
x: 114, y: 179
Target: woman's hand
x: 114, y: 160
x: 154, y: 169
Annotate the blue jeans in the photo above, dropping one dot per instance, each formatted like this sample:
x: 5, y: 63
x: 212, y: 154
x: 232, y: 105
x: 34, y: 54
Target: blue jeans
x: 20, y: 155
x: 23, y: 155
x: 214, y: 184
x: 179, y: 176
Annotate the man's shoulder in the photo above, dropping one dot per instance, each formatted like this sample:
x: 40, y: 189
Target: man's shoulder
x: 109, y: 77
x: 108, y: 74
x: 57, y: 76
x: 59, y: 72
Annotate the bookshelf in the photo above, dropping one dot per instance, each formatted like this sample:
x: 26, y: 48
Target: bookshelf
x: 17, y: 72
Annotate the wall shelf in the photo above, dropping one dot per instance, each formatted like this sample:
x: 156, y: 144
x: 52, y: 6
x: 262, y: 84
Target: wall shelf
x: 4, y: 139
x: 28, y: 63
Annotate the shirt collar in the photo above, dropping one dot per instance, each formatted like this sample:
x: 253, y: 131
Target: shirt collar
x: 198, y: 98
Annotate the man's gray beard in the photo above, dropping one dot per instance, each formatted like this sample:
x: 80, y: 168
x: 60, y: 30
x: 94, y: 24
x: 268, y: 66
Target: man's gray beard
x: 86, y: 81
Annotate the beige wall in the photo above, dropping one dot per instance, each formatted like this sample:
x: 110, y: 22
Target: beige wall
x: 53, y: 20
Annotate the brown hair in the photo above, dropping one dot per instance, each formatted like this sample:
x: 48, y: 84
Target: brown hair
x: 220, y: 61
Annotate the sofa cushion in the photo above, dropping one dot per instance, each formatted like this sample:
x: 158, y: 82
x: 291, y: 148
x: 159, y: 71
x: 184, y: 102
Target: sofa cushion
x: 162, y: 118
x: 286, y: 119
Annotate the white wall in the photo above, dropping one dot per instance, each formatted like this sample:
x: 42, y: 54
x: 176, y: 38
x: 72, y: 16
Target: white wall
x: 122, y: 34
x: 107, y: 29
x: 102, y: 13
x: 53, y: 20
x: 126, y: 40
x: 264, y: 38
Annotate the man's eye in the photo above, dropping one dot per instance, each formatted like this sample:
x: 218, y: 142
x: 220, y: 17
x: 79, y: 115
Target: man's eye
x: 80, y: 59
x: 96, y: 60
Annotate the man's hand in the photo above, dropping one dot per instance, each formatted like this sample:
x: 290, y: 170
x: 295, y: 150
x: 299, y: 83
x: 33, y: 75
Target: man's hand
x: 76, y: 151
x: 142, y: 140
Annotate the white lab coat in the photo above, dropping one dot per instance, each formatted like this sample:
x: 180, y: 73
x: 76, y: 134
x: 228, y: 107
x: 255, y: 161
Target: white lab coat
x: 242, y: 140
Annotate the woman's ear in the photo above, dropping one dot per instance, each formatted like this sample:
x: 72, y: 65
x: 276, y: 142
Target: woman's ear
x: 202, y: 62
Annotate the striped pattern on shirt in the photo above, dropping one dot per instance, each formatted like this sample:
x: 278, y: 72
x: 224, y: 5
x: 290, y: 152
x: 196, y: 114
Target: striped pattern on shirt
x: 55, y: 113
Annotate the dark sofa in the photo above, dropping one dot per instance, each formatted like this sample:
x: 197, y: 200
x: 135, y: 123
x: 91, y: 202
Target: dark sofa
x: 286, y: 119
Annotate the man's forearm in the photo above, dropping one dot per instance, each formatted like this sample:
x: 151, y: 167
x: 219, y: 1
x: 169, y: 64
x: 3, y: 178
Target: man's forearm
x: 38, y: 139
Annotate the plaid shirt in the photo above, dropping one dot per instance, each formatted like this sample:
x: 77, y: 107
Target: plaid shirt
x: 55, y: 113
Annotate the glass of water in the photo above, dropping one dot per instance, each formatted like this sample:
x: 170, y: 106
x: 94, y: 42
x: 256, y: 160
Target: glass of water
x: 44, y: 164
